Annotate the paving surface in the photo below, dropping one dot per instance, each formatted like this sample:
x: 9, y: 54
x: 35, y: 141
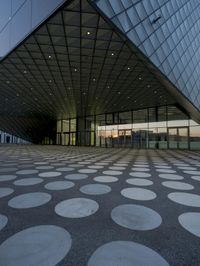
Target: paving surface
x: 94, y: 207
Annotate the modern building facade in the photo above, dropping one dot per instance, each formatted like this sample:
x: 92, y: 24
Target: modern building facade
x: 101, y: 73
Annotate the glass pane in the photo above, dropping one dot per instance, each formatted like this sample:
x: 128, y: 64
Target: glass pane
x: 58, y: 126
x: 195, y: 138
x: 173, y: 138
x: 65, y: 125
x: 162, y: 138
x: 72, y: 125
x: 183, y: 138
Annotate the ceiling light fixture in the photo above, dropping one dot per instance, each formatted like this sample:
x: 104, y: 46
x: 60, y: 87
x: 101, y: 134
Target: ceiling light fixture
x: 88, y: 32
x: 112, y: 54
x: 49, y: 56
x: 140, y: 78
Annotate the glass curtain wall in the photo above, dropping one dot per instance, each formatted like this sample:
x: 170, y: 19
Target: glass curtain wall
x: 165, y: 127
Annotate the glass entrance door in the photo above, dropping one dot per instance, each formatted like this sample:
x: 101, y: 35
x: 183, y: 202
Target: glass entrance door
x: 125, y: 138
x: 178, y: 138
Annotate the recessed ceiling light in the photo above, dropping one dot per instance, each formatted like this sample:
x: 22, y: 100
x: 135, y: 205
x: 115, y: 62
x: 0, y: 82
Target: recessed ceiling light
x: 140, y: 78
x: 88, y: 32
x: 75, y: 69
x: 31, y: 89
x: 94, y: 79
x: 8, y: 82
x: 128, y: 68
x: 49, y: 56
x: 128, y: 97
x: 119, y: 92
x: 135, y: 101
x: 50, y: 81
x: 25, y: 72
x: 108, y: 87
x: 148, y: 86
x: 155, y: 91
x: 112, y: 54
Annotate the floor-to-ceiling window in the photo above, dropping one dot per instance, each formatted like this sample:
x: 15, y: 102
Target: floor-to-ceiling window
x: 164, y: 127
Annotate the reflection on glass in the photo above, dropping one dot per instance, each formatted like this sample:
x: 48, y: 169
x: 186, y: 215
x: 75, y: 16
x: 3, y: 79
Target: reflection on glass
x: 173, y: 138
x: 183, y: 138
x: 148, y: 128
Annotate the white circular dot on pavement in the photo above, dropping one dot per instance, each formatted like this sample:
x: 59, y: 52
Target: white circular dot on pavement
x: 65, y: 169
x: 5, y: 191
x: 44, y: 167
x: 187, y: 168
x: 59, y: 185
x: 95, y: 166
x: 76, y: 208
x: 120, y: 164
x: 196, y: 177
x: 138, y: 193
x: 3, y: 221
x: 190, y: 221
x: 95, y: 189
x: 141, y: 165
x: 28, y: 181
x: 58, y: 164
x: 41, y: 163
x: 139, y: 174
x: 166, y: 171
x: 187, y: 199
x: 87, y: 171
x: 140, y: 169
x: 76, y: 176
x: 110, y: 172
x: 177, y: 185
x: 125, y: 253
x: 163, y: 166
x: 171, y: 176
x: 139, y: 182
x: 117, y: 168
x: 7, y: 177
x: 181, y: 164
x: 39, y: 245
x: 75, y: 165
x: 49, y: 174
x: 29, y: 200
x: 136, y: 217
x: 192, y: 172
x: 103, y: 164
x: 27, y: 172
x: 106, y: 179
